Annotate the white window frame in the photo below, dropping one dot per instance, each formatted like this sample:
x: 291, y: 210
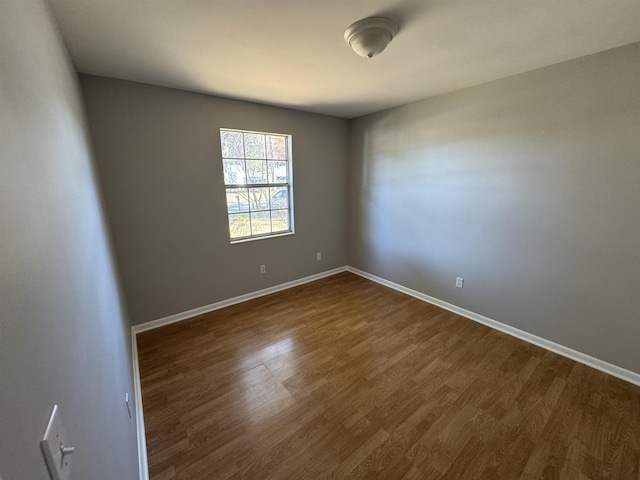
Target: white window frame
x: 288, y: 185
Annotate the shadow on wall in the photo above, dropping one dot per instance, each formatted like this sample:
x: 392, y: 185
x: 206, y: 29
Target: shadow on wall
x: 522, y: 186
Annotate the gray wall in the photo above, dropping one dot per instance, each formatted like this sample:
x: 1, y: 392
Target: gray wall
x: 158, y: 153
x: 528, y: 187
x: 63, y: 334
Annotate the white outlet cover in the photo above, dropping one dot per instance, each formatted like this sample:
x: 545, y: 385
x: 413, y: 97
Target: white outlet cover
x: 59, y: 465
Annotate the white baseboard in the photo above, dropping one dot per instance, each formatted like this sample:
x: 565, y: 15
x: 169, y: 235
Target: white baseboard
x: 142, y: 440
x: 614, y: 370
x: 161, y: 322
x: 143, y: 464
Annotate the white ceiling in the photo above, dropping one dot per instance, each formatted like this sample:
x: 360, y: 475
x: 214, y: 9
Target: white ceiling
x: 292, y: 52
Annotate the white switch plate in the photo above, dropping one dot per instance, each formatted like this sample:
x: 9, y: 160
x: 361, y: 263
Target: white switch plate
x: 319, y: 256
x: 55, y: 437
x: 459, y: 282
x: 263, y: 269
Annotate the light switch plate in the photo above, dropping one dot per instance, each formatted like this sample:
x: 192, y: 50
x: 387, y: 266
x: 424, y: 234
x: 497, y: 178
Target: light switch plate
x: 55, y: 439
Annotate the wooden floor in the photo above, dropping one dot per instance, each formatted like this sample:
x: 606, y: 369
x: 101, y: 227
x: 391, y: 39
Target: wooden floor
x: 344, y: 378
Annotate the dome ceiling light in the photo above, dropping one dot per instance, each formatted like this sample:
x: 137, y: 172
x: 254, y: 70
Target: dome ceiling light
x: 370, y: 36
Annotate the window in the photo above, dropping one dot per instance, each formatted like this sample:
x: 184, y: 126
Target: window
x: 257, y: 178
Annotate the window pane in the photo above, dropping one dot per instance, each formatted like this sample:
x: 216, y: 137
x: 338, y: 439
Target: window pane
x: 233, y: 172
x: 279, y: 198
x: 239, y: 225
x: 260, y: 223
x: 259, y: 199
x: 237, y: 200
x: 279, y: 220
x: 276, y: 147
x: 277, y: 171
x: 254, y: 145
x: 231, y: 143
x: 256, y: 171
x: 257, y: 178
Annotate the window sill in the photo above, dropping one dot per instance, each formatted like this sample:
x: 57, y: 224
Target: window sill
x: 265, y: 237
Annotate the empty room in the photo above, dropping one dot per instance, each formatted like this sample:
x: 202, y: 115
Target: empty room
x: 268, y: 240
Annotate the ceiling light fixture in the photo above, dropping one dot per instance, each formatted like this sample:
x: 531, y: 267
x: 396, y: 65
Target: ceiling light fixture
x: 370, y: 36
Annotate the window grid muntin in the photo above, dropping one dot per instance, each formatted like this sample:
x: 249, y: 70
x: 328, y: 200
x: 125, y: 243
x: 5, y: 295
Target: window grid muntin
x: 286, y: 139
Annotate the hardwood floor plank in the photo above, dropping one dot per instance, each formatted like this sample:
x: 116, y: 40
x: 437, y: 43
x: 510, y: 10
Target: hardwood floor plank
x: 345, y: 378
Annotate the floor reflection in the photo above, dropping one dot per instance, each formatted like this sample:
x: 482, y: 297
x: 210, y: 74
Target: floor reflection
x: 262, y: 394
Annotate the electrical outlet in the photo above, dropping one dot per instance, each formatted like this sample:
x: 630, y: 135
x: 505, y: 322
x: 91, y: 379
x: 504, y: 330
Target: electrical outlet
x: 459, y: 282
x: 319, y: 256
x: 263, y: 269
